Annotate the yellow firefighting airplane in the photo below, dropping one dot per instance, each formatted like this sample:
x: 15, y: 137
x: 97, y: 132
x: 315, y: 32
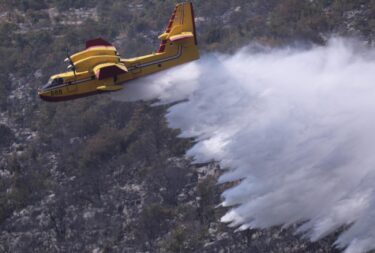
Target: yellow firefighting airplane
x: 99, y: 67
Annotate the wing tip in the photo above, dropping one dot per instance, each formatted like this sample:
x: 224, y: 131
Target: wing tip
x: 97, y: 42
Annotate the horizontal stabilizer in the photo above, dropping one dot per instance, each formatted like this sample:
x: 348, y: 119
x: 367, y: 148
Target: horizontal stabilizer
x: 97, y: 42
x: 181, y: 36
x: 107, y: 70
x: 109, y: 88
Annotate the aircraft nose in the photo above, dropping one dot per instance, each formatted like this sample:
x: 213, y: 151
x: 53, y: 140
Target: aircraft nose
x: 41, y: 96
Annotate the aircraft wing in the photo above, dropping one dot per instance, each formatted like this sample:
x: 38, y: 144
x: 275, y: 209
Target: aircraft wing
x: 107, y: 70
x: 94, y: 48
x: 97, y: 43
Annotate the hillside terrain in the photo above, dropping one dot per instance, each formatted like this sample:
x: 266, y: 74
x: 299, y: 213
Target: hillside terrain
x: 98, y: 175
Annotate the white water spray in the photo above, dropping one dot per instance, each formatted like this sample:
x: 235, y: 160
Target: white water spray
x: 297, y: 127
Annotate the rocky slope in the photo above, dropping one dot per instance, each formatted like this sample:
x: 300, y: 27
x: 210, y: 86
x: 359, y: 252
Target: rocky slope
x: 96, y: 175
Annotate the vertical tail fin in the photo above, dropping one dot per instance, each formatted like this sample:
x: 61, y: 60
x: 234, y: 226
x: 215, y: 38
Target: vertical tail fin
x: 193, y: 20
x: 181, y: 26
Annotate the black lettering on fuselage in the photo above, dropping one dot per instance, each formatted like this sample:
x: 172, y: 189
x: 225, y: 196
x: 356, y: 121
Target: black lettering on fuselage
x: 56, y: 92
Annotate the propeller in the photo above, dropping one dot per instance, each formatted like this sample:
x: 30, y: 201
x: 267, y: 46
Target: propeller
x: 71, y: 64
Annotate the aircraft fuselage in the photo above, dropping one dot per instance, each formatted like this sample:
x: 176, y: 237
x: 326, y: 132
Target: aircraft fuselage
x: 85, y: 84
x: 100, y: 69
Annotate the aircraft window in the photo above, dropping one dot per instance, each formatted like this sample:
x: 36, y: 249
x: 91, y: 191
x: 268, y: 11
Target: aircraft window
x: 58, y: 81
x: 54, y: 82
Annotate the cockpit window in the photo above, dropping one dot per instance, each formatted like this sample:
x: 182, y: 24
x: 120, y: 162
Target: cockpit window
x: 54, y: 82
